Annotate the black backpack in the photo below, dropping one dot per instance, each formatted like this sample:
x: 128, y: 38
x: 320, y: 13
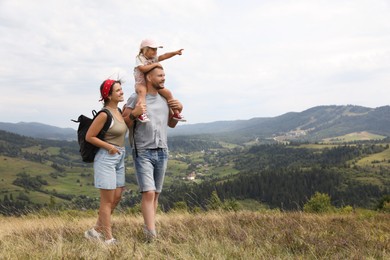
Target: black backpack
x: 88, y: 150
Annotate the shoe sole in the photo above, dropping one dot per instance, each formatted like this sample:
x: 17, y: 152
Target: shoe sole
x: 89, y: 237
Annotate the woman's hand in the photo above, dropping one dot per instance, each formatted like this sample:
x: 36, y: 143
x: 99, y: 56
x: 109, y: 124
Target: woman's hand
x: 114, y: 150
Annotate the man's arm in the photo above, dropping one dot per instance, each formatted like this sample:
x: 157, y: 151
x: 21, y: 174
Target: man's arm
x: 130, y: 115
x: 174, y: 104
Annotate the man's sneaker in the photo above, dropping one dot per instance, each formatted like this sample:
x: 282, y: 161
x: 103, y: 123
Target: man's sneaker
x: 179, y: 117
x: 143, y: 118
x: 150, y: 235
x: 111, y: 241
x: 93, y: 234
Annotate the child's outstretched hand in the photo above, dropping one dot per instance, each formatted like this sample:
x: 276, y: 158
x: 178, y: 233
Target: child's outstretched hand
x: 179, y: 52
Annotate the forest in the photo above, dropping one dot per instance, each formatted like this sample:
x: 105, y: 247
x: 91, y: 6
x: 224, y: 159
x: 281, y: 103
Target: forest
x: 277, y: 175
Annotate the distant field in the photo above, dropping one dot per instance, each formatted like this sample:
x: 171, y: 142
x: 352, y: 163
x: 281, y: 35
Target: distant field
x: 374, y: 160
x: 357, y: 136
x: 39, y: 150
x: 378, y: 159
x: 72, y: 183
x: 316, y: 146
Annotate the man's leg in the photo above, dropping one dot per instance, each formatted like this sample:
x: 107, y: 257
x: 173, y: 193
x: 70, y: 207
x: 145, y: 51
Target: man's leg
x: 148, y: 208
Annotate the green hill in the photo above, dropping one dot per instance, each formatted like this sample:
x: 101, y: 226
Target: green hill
x: 39, y: 173
x: 313, y: 124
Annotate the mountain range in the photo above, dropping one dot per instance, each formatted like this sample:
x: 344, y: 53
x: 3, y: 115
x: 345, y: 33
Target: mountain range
x: 315, y: 123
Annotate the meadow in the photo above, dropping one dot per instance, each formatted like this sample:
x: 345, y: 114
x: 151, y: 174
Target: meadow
x: 266, y: 234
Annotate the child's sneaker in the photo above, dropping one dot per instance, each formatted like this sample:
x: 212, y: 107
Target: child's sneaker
x: 179, y: 117
x: 143, y: 118
x: 93, y: 234
x: 111, y: 241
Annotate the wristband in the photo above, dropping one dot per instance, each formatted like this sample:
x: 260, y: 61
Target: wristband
x: 132, y: 117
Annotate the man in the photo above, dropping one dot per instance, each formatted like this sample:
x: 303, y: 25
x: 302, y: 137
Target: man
x: 149, y: 143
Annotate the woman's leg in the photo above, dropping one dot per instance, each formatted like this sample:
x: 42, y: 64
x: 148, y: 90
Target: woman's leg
x: 117, y: 198
x: 107, y: 198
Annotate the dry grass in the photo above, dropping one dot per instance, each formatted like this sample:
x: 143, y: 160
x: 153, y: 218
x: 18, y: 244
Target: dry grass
x: 213, y: 235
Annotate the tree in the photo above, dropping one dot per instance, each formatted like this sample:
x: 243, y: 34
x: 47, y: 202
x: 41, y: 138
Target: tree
x: 180, y: 206
x: 384, y: 204
x: 318, y: 203
x: 214, y: 202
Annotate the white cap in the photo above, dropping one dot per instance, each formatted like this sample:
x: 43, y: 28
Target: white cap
x: 149, y: 43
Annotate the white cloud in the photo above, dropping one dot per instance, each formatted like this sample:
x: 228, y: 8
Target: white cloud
x: 241, y: 59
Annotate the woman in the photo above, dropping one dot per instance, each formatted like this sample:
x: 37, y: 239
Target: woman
x: 109, y: 168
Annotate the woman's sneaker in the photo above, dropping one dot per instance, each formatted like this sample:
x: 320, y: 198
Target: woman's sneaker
x: 143, y: 118
x: 92, y: 234
x: 111, y: 241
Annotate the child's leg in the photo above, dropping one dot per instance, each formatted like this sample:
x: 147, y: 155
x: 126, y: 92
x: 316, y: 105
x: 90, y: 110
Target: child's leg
x: 141, y: 92
x: 167, y: 94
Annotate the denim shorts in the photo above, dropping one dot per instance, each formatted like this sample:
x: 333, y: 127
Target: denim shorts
x: 109, y: 169
x: 150, y: 166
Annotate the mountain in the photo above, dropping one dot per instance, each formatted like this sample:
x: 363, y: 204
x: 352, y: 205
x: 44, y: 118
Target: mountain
x: 38, y: 130
x: 312, y: 124
x: 315, y: 123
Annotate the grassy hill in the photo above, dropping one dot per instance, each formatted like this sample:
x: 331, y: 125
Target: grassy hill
x: 212, y: 235
x: 313, y: 124
x: 39, y: 130
x: 50, y: 173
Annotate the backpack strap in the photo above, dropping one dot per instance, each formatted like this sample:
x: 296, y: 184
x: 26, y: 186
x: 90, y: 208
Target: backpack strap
x: 135, y: 145
x: 107, y: 124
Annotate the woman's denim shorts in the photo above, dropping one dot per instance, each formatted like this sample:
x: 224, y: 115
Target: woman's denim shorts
x: 109, y: 169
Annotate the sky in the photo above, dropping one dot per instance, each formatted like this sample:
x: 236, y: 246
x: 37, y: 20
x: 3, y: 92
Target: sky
x: 241, y: 59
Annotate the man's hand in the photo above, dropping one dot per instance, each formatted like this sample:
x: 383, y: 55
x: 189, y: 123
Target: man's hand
x: 175, y: 104
x: 140, y: 108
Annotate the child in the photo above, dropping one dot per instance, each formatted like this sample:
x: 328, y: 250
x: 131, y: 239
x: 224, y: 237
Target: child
x: 145, y: 61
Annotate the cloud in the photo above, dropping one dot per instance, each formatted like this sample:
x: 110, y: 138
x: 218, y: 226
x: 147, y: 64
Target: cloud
x: 241, y: 59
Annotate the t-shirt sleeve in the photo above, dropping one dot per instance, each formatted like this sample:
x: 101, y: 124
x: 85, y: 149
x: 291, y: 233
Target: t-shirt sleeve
x: 139, y: 61
x: 131, y: 101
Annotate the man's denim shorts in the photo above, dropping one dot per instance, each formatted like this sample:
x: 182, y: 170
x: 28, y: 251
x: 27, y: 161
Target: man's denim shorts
x: 150, y: 166
x: 109, y: 169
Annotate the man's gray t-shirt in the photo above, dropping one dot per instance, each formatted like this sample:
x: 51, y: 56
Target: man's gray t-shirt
x: 153, y: 134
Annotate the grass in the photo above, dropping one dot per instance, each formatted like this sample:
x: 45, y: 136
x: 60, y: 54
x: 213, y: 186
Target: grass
x: 211, y: 235
x: 357, y: 136
x: 39, y: 150
x: 381, y: 159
